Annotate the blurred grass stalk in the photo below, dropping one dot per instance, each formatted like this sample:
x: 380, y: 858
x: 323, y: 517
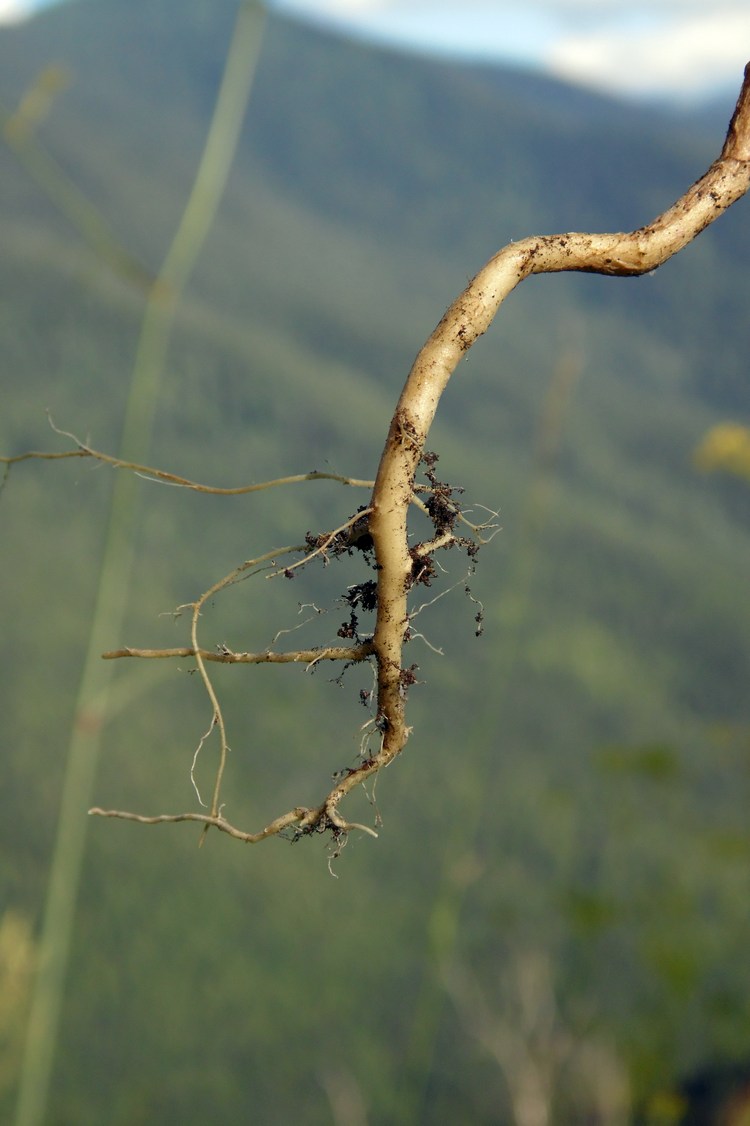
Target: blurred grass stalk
x: 19, y: 131
x: 93, y: 701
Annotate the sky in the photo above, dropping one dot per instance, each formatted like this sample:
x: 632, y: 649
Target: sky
x: 680, y: 49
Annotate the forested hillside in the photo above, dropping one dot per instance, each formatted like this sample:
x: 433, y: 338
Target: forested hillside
x: 562, y: 873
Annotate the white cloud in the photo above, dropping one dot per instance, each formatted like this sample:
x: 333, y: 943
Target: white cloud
x: 13, y: 11
x: 342, y: 7
x: 693, y: 53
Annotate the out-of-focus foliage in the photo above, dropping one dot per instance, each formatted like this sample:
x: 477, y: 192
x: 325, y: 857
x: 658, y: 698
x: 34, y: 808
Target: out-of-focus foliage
x: 725, y: 447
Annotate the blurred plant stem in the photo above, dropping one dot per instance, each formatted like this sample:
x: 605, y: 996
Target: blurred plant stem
x: 19, y: 132
x: 93, y: 701
x: 458, y: 871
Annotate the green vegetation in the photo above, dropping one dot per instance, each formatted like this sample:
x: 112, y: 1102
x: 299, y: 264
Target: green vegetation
x: 576, y: 788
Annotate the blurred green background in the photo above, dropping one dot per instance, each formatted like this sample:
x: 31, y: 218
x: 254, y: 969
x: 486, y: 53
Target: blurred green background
x: 554, y: 919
